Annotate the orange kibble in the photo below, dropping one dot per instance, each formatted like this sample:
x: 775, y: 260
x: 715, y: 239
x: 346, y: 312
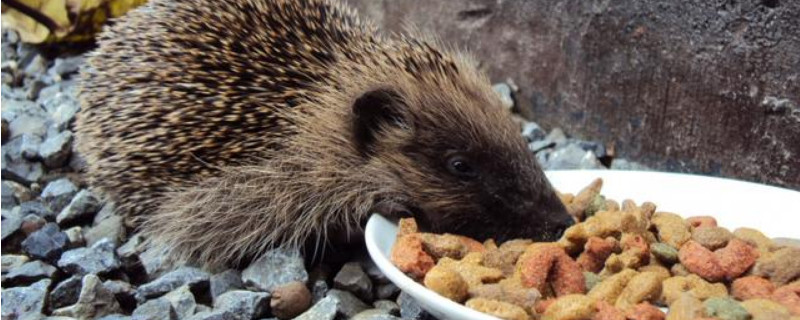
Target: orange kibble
x: 409, y: 257
x: 752, y: 287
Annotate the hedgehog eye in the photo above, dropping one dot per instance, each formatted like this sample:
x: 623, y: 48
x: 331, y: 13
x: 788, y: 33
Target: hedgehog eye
x: 460, y: 166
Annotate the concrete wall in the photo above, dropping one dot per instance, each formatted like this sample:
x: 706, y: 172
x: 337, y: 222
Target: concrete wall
x: 710, y: 87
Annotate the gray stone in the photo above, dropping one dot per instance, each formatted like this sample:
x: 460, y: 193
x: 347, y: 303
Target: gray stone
x: 540, y: 145
x: 597, y: 148
x: 8, y: 199
x: 65, y: 293
x: 157, y: 309
x: 213, y: 315
x: 31, y: 223
x: 38, y: 208
x: 390, y: 306
x: 21, y: 301
x: 225, y: 281
x: 386, y: 291
x: 182, y: 301
x: 318, y: 290
x: 75, y: 237
x: 557, y: 135
x: 62, y: 108
x: 410, y: 309
x: 29, y: 272
x: 352, y: 278
x: 16, y: 167
x: 193, y: 277
x: 46, y: 243
x: 244, y: 304
x: 55, y: 150
x: 48, y: 92
x: 349, y: 305
x: 34, y: 88
x: 12, y: 221
x: 504, y: 91
x: 111, y: 229
x: 83, y: 206
x: 29, y: 147
x: 623, y: 164
x: 131, y: 248
x: 20, y: 192
x: 324, y: 309
x: 106, y: 211
x: 98, y: 259
x: 28, y: 123
x: 11, y: 261
x: 531, y: 131
x: 115, y: 316
x: 374, y: 314
x: 572, y: 157
x: 373, y: 271
x: 122, y: 291
x: 37, y: 65
x: 274, y: 268
x: 154, y: 261
x: 65, y: 66
x: 94, y: 301
x: 58, y: 194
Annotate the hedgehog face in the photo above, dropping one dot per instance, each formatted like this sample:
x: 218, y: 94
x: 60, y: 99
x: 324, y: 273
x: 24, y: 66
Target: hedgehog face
x: 463, y: 163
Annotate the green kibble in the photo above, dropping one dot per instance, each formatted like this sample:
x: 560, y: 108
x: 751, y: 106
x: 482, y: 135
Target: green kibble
x: 664, y: 252
x: 591, y: 279
x: 597, y: 204
x: 725, y: 309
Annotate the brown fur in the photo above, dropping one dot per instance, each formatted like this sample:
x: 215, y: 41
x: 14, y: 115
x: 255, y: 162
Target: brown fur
x: 229, y: 127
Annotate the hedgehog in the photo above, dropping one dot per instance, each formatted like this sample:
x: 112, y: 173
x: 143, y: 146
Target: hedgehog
x: 225, y: 128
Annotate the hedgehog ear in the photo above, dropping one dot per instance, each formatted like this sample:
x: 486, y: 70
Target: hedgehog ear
x: 373, y: 112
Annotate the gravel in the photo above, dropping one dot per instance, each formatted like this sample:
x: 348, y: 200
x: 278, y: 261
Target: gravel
x: 225, y: 281
x: 244, y: 304
x: 193, y: 277
x: 46, y: 244
x: 29, y: 273
x: 99, y: 259
x: 94, y: 300
x: 274, y: 268
x: 352, y: 278
x: 21, y: 302
x: 66, y: 292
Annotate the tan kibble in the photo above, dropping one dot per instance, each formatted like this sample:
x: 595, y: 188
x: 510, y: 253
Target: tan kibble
x: 570, y: 307
x: 672, y: 229
x: 500, y: 309
x: 447, y: 282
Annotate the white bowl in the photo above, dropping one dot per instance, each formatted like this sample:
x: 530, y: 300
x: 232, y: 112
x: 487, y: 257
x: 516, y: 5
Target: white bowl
x: 774, y: 211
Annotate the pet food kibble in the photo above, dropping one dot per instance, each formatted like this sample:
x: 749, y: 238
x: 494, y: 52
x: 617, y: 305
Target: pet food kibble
x: 505, y: 257
x: 592, y: 279
x: 606, y: 311
x: 618, y: 263
x: 725, y: 309
x: 679, y: 270
x: 685, y: 307
x: 789, y: 297
x: 673, y: 288
x: 406, y: 226
x: 754, y: 238
x: 701, y: 261
x: 570, y: 307
x: 449, y: 245
x: 780, y: 267
x: 543, y: 263
x: 752, y: 287
x: 763, y: 309
x: 612, y: 287
x: 447, y: 282
x: 664, y: 252
x: 506, y: 292
x: 595, y: 253
x: 471, y: 270
x: 500, y: 309
x: 699, y: 222
x: 645, y: 311
x: 584, y: 198
x: 672, y: 230
x: 409, y: 257
x: 645, y: 286
x: 712, y: 238
x: 736, y: 258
